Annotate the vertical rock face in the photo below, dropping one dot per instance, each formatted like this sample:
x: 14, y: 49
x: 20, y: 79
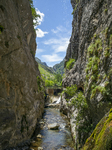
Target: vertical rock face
x: 91, y: 47
x: 21, y: 97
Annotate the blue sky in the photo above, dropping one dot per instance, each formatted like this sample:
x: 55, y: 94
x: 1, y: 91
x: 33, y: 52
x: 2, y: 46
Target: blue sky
x: 54, y: 30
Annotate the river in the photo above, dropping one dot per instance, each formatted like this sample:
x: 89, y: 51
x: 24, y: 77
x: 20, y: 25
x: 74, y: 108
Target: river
x: 59, y: 139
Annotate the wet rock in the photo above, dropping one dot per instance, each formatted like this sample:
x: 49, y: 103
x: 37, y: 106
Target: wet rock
x: 53, y: 105
x: 41, y: 122
x: 40, y: 148
x: 63, y: 146
x: 53, y: 126
x: 39, y: 136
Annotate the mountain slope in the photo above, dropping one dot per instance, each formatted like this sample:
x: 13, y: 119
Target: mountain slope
x: 50, y: 76
x: 45, y: 66
x: 59, y: 68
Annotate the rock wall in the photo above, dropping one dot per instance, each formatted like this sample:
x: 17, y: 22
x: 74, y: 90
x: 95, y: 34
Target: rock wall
x: 91, y: 47
x: 21, y: 96
x: 101, y: 138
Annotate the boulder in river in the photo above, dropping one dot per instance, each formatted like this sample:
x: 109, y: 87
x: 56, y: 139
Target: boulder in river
x: 40, y: 148
x: 53, y: 126
x: 39, y: 136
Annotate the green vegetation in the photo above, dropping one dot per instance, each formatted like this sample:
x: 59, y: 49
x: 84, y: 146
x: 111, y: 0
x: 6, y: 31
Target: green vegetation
x: 70, y: 64
x: 49, y: 77
x: 106, y: 10
x: 39, y: 82
x: 34, y: 14
x: 58, y: 78
x: 79, y: 101
x: 76, y: 99
x: 92, y: 70
x: 59, y: 68
x: 77, y: 3
x: 71, y: 91
x: 101, y: 138
x: 75, y: 8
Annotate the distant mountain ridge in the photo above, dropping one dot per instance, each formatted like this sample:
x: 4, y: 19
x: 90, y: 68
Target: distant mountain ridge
x: 39, y: 61
x: 59, y: 68
x: 56, y: 69
x: 45, y: 66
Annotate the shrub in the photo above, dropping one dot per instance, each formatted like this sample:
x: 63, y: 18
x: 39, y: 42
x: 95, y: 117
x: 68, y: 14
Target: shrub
x: 70, y: 63
x: 34, y: 14
x: 79, y: 101
x: 49, y: 83
x: 71, y: 91
x: 39, y: 82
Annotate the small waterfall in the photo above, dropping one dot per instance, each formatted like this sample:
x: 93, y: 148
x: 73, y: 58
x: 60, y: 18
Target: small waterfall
x: 58, y: 100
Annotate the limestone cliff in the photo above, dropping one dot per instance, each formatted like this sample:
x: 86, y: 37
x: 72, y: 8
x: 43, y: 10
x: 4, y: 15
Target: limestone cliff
x: 91, y: 47
x: 21, y: 96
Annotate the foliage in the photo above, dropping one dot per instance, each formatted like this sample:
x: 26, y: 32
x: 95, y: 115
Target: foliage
x: 79, y: 101
x: 70, y: 64
x: 77, y: 2
x: 49, y: 83
x: 106, y: 10
x: 34, y: 14
x: 93, y: 66
x: 39, y: 82
x: 58, y: 78
x: 74, y: 9
x: 59, y: 68
x: 71, y: 91
x: 49, y: 77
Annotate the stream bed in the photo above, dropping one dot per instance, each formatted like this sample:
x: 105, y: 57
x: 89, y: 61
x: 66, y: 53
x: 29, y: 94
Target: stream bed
x: 59, y: 139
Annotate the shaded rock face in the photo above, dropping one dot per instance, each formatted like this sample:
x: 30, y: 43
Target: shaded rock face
x: 21, y: 100
x: 101, y: 138
x: 91, y: 47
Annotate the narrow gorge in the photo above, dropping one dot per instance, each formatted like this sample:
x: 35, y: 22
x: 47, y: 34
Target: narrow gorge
x: 85, y: 91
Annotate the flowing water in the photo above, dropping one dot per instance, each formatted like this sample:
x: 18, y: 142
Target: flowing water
x: 53, y: 139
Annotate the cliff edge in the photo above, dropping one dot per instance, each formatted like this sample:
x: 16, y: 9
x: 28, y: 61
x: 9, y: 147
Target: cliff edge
x: 21, y: 95
x: 91, y: 47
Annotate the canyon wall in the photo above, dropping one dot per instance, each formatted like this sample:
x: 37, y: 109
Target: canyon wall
x: 91, y: 47
x: 21, y: 94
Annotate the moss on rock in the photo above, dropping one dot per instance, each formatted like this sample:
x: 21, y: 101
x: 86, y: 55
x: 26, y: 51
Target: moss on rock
x: 101, y: 138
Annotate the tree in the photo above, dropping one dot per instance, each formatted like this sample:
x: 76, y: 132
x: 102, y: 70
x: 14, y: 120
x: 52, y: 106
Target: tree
x: 58, y: 78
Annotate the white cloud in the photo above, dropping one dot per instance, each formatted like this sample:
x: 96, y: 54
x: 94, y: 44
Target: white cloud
x: 59, y: 29
x: 39, y: 51
x: 58, y: 45
x: 40, y: 33
x: 40, y: 20
x: 52, y: 58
